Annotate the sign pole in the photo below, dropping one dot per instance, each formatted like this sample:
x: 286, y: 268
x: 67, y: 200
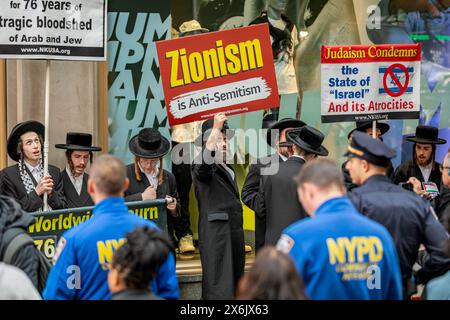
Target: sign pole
x: 374, y: 129
x: 47, y: 122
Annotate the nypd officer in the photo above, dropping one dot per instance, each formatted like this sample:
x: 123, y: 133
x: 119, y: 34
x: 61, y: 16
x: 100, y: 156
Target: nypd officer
x: 409, y: 219
x: 89, y: 246
x: 317, y: 245
x: 366, y: 127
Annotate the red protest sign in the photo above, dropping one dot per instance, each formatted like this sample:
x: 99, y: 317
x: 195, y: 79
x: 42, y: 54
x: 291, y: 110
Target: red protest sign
x: 229, y: 71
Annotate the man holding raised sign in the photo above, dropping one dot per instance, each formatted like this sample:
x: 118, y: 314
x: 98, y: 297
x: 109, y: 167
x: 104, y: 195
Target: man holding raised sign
x: 25, y: 181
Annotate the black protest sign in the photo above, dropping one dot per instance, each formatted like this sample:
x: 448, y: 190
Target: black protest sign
x: 50, y: 226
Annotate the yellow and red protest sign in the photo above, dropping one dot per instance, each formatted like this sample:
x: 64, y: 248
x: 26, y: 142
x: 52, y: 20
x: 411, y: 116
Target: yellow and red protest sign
x: 229, y: 71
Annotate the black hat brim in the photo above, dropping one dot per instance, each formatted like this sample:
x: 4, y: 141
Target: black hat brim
x: 19, y: 130
x: 384, y: 127
x: 138, y: 151
x: 204, y: 136
x: 281, y: 125
x: 426, y: 141
x: 75, y: 147
x: 320, y: 151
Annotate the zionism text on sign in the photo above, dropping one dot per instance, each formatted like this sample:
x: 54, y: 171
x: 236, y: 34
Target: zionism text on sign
x: 370, y: 82
x: 53, y: 29
x: 229, y: 71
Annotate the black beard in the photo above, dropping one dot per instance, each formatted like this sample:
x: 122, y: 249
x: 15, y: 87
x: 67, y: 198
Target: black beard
x: 426, y: 163
x: 72, y: 168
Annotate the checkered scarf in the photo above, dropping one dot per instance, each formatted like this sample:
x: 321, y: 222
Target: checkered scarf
x: 26, y: 179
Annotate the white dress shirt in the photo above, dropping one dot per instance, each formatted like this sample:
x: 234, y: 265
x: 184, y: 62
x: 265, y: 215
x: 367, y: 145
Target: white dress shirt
x: 426, y: 171
x: 152, y: 177
x: 229, y: 170
x: 76, y: 181
x: 282, y: 157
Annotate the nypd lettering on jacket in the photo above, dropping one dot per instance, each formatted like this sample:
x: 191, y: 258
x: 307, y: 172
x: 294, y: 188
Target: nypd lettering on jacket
x: 90, y: 247
x: 340, y: 254
x: 353, y: 256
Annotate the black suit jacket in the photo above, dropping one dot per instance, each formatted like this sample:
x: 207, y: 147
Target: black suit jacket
x: 75, y: 200
x: 281, y: 204
x: 31, y: 202
x: 220, y: 230
x: 250, y: 191
x: 411, y: 169
x: 134, y: 192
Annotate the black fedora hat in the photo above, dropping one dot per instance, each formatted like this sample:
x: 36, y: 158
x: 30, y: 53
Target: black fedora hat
x: 149, y: 144
x: 281, y: 125
x: 364, y: 125
x: 20, y: 129
x: 78, y: 141
x: 308, y: 138
x: 206, y: 131
x: 426, y: 135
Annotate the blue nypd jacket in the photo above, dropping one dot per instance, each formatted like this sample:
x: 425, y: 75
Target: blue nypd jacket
x: 341, y: 254
x: 86, y: 250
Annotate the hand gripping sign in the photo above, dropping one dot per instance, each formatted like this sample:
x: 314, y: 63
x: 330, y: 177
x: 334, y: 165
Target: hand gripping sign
x: 370, y: 82
x: 229, y: 71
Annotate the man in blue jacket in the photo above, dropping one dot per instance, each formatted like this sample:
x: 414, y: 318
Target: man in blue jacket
x: 84, y: 252
x: 339, y: 253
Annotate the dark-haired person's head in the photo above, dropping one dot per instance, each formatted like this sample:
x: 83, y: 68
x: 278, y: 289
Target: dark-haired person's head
x: 10, y: 211
x: 107, y: 178
x: 136, y: 262
x: 318, y: 181
x: 272, y: 277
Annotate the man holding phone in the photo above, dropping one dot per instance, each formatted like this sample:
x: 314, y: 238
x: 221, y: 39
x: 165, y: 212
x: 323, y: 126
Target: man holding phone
x: 410, y: 220
x: 423, y: 167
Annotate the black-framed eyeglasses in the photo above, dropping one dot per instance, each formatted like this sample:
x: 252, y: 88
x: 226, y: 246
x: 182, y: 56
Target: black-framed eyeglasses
x: 442, y: 168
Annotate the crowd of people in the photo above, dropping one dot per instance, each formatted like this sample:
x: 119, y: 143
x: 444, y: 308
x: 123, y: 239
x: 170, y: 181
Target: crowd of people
x: 358, y: 231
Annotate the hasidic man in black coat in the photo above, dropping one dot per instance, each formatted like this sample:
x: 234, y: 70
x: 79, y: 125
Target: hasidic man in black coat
x: 220, y: 230
x: 79, y: 150
x: 278, y: 192
x: 423, y: 167
x: 276, y: 138
x: 149, y: 181
x: 25, y: 181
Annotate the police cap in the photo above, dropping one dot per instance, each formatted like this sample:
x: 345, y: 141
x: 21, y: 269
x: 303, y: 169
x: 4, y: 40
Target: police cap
x: 373, y: 150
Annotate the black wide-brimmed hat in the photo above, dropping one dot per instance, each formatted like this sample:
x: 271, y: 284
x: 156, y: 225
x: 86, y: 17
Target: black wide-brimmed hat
x: 78, y: 141
x: 149, y: 144
x: 19, y: 130
x: 426, y: 135
x: 364, y: 125
x: 309, y: 139
x: 281, y: 125
x: 206, y: 132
